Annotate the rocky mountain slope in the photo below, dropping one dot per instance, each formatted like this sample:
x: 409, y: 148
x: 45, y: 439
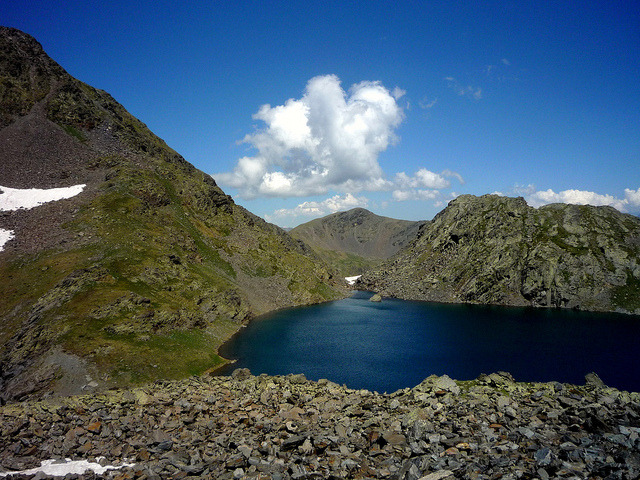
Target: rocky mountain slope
x: 498, y: 250
x: 144, y: 273
x: 356, y: 240
x: 290, y: 428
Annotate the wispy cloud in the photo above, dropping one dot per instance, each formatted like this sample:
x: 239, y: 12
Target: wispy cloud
x: 464, y: 90
x: 427, y: 104
x: 398, y: 93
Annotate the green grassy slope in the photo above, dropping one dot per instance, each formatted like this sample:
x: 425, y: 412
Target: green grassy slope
x: 153, y: 267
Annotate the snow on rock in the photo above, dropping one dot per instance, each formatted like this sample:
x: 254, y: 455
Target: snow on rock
x: 59, y: 468
x: 5, y: 236
x: 26, y: 198
x: 16, y: 198
x: 352, y: 280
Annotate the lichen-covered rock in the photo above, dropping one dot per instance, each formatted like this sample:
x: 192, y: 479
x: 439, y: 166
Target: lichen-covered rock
x: 288, y: 427
x: 499, y: 250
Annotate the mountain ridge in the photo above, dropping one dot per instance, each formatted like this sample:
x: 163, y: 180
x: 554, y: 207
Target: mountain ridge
x: 499, y: 250
x: 150, y: 259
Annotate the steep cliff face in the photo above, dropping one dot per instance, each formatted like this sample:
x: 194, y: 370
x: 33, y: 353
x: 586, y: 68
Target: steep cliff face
x: 144, y: 273
x: 498, y: 250
x: 356, y: 240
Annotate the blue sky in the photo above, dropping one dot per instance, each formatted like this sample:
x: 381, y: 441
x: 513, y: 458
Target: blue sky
x: 300, y: 109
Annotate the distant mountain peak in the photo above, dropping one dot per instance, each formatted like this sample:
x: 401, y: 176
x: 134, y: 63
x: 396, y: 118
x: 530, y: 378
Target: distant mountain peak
x: 357, y: 239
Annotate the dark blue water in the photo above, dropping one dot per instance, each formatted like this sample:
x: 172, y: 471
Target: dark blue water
x: 396, y: 344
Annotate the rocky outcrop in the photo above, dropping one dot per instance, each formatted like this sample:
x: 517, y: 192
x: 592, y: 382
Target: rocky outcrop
x: 148, y: 270
x: 245, y: 427
x: 356, y: 240
x: 498, y: 250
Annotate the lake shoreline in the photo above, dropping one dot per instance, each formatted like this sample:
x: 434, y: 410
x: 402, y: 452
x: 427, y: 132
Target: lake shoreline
x: 461, y: 340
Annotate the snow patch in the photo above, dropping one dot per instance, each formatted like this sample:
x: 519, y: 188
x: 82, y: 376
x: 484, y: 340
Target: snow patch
x: 16, y: 198
x: 60, y: 468
x: 27, y: 198
x: 352, y: 280
x: 5, y: 236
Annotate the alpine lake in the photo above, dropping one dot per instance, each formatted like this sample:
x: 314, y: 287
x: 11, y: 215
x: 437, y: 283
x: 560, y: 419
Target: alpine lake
x: 393, y: 344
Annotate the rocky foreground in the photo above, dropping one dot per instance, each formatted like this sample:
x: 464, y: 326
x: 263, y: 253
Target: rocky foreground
x: 290, y: 428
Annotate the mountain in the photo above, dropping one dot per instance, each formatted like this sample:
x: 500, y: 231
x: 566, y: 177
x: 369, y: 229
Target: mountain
x: 145, y: 272
x: 356, y: 240
x: 499, y: 250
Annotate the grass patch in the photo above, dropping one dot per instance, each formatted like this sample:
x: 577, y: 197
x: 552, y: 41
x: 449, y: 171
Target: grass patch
x: 137, y: 359
x: 74, y: 132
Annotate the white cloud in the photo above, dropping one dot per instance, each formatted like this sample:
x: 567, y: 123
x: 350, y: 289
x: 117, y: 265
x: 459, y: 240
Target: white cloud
x: 456, y: 175
x: 537, y: 198
x: 632, y: 196
x: 505, y: 62
x: 27, y: 198
x: 422, y: 178
x: 398, y: 93
x: 464, y: 90
x: 330, y: 205
x: 327, y: 140
x: 423, y: 185
x: 427, y: 104
x: 577, y: 197
x: 404, y: 195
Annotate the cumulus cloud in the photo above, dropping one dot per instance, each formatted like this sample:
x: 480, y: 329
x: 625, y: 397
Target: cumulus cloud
x: 537, y: 198
x: 330, y: 205
x: 404, y: 195
x: 327, y: 140
x: 422, y: 178
x: 578, y: 197
x: 423, y: 185
x: 632, y: 196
